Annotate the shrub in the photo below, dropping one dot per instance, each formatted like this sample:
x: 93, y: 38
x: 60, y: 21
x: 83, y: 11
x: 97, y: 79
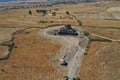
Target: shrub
x: 30, y: 12
x: 42, y: 11
x: 53, y: 13
x: 79, y: 23
x: 67, y: 12
x: 11, y: 47
x: 15, y: 46
x: 100, y: 40
x: 56, y: 9
x: 26, y: 32
x: 85, y: 33
x: 41, y: 21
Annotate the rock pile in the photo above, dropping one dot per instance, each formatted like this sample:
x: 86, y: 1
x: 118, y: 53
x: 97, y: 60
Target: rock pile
x: 66, y: 30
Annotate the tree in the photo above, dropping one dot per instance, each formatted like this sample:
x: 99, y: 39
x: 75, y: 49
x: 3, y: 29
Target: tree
x: 30, y: 12
x: 67, y: 12
x: 54, y: 13
x: 42, y: 11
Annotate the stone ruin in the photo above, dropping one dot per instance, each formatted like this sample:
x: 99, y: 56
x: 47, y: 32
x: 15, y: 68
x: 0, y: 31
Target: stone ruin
x: 66, y: 30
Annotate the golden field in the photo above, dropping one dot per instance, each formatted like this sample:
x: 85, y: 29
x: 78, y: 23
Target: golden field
x: 30, y: 59
x: 101, y: 62
x: 109, y: 32
x: 21, y: 18
x: 100, y: 23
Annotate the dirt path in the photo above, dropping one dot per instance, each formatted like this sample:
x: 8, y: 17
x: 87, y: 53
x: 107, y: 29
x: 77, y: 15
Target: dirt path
x: 77, y: 60
x: 71, y: 51
x: 105, y: 37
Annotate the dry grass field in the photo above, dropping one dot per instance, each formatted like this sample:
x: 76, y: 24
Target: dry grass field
x: 113, y: 33
x: 101, y: 63
x: 102, y: 59
x: 86, y: 8
x: 6, y: 33
x: 21, y: 18
x: 30, y: 59
x: 100, y: 23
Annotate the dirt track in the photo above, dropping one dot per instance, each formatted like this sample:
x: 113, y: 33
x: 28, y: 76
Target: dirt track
x: 71, y: 51
x: 105, y: 37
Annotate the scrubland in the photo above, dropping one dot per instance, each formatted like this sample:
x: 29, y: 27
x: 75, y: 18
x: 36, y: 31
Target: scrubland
x: 101, y: 62
x: 31, y: 57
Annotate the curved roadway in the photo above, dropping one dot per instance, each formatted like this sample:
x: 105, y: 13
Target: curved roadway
x: 73, y: 48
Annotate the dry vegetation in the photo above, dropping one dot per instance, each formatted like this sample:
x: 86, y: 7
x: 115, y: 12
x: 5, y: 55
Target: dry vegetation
x: 6, y: 33
x: 101, y: 63
x: 21, y: 18
x: 100, y: 23
x: 87, y: 8
x: 30, y: 60
x: 112, y: 33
